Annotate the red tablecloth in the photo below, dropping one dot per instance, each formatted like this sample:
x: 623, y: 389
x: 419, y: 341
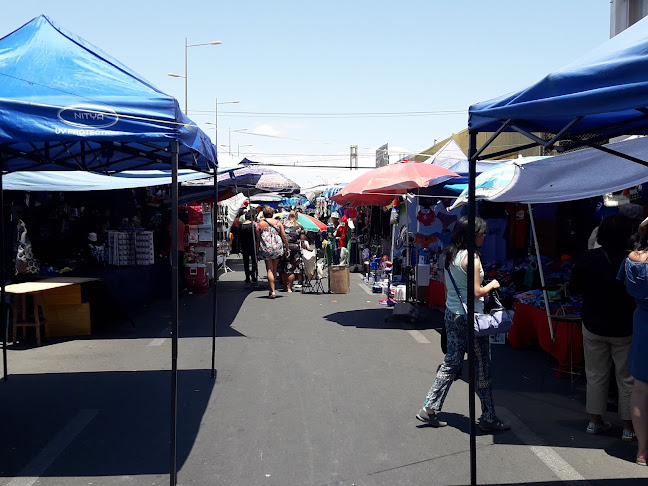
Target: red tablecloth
x: 530, y: 324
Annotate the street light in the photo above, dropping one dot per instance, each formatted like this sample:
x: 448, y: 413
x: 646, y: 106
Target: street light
x: 230, y: 136
x: 174, y: 75
x: 216, y: 117
x: 238, y: 145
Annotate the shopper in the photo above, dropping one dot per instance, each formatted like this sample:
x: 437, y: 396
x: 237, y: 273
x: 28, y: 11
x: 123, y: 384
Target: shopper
x: 634, y: 271
x: 289, y: 265
x: 456, y: 324
x: 607, y: 323
x: 248, y: 248
x: 271, y: 244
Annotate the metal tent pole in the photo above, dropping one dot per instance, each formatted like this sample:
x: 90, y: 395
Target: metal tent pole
x: 470, y: 291
x: 3, y: 276
x: 214, y: 217
x: 542, y: 280
x: 174, y: 314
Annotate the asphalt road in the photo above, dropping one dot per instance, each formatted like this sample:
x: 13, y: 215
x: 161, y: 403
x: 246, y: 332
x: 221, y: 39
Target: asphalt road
x: 310, y: 390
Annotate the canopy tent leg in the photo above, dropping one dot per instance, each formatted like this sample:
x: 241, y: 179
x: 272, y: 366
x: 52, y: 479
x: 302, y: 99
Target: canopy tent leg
x: 470, y: 291
x: 3, y: 276
x: 215, y: 244
x: 542, y: 280
x: 174, y: 146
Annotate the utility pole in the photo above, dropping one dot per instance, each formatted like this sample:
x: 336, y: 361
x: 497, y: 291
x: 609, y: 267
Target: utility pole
x: 353, y: 162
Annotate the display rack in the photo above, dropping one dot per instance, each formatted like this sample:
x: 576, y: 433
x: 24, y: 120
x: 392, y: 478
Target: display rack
x: 130, y: 248
x: 222, y: 238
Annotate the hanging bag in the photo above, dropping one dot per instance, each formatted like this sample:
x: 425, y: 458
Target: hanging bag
x: 497, y: 321
x: 271, y: 244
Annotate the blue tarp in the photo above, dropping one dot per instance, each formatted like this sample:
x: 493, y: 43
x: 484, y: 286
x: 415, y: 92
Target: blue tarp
x: 607, y: 86
x: 64, y: 104
x: 89, y: 181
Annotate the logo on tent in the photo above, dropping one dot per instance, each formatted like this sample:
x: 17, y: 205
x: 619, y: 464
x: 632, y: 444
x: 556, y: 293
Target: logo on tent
x: 92, y: 116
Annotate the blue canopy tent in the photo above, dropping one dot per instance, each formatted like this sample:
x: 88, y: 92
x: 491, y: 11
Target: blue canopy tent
x: 603, y: 94
x: 66, y: 105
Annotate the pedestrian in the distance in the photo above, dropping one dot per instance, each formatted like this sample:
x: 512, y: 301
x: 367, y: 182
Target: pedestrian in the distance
x: 289, y: 265
x: 248, y: 248
x: 607, y: 323
x: 271, y: 244
x: 456, y: 324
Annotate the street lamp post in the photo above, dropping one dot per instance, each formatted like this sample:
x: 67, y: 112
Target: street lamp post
x: 215, y: 123
x: 186, y: 76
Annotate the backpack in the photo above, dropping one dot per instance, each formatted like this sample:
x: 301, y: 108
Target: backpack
x: 271, y: 244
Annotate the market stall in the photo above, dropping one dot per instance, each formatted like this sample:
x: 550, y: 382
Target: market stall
x: 599, y: 96
x: 83, y: 110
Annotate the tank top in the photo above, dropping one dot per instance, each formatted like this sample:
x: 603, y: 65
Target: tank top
x: 461, y: 279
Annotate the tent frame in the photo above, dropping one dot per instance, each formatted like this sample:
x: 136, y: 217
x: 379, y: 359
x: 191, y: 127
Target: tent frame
x: 601, y: 136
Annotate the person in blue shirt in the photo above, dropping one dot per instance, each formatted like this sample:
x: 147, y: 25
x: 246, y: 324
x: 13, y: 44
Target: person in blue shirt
x: 634, y: 271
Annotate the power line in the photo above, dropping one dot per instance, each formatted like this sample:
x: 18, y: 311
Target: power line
x: 257, y: 114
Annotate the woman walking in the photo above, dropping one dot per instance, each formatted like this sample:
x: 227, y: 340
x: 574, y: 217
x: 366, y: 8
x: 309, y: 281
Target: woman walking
x: 271, y: 244
x: 456, y: 324
x: 289, y: 265
x: 248, y: 248
x: 634, y: 271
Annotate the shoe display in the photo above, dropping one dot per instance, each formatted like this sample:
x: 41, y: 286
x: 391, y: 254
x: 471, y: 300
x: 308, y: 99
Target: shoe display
x: 430, y: 419
x: 493, y: 425
x: 594, y: 428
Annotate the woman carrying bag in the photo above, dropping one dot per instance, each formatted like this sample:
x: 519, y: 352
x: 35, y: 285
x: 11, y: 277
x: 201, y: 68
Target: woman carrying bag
x: 271, y: 244
x: 456, y: 324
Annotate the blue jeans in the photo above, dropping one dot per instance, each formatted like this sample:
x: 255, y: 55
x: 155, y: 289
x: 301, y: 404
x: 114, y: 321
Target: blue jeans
x: 457, y: 329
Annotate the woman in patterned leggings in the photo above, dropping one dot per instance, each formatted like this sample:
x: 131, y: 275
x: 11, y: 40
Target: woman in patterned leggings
x: 456, y: 323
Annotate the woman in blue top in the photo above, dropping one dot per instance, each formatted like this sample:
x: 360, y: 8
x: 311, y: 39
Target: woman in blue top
x: 634, y: 271
x: 456, y: 323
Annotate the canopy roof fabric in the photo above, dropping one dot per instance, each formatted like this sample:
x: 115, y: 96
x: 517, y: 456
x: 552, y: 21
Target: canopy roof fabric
x: 606, y: 87
x: 89, y: 181
x: 64, y: 104
x: 379, y: 186
x: 567, y: 177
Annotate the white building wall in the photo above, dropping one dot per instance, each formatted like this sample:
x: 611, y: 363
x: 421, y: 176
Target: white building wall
x: 624, y: 13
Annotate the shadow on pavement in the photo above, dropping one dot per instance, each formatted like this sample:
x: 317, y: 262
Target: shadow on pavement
x: 127, y: 416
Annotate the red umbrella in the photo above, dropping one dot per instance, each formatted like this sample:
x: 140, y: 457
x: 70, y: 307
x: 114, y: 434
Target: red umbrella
x: 379, y: 186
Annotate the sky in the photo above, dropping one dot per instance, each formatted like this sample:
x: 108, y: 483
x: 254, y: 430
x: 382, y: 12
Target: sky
x: 314, y: 78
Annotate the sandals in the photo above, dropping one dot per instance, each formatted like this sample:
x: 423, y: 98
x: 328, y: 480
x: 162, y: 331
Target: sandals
x: 594, y: 428
x: 641, y: 459
x: 272, y: 295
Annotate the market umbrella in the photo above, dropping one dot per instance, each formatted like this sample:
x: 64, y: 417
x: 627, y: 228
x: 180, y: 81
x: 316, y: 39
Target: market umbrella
x: 247, y: 180
x: 379, y: 186
x: 308, y: 222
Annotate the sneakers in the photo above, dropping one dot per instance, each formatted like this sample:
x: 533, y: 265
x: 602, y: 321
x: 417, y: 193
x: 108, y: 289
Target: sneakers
x: 493, y: 426
x: 601, y: 428
x: 628, y: 435
x: 430, y: 419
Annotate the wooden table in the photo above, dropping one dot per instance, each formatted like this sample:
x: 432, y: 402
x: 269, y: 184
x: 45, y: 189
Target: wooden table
x: 56, y: 305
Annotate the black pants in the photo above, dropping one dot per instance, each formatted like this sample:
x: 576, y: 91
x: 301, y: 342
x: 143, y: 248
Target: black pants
x: 250, y: 273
